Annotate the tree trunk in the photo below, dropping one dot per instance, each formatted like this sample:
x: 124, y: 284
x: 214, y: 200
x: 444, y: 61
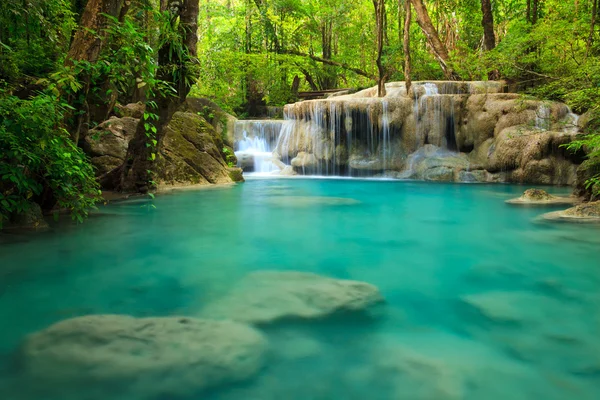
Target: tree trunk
x: 379, y: 6
x: 489, y: 39
x: 528, y: 11
x: 590, y: 40
x: 406, y: 44
x: 87, y: 42
x: 86, y: 46
x: 439, y: 50
x: 534, y: 11
x: 137, y: 171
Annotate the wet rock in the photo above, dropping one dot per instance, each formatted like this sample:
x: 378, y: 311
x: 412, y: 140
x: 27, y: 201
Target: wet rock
x: 583, y: 213
x: 310, y: 201
x: 540, y: 197
x: 288, y: 170
x: 30, y: 219
x: 145, y: 357
x: 305, y: 161
x: 440, y: 366
x: 107, y: 143
x: 132, y: 110
x: 192, y: 152
x: 267, y: 296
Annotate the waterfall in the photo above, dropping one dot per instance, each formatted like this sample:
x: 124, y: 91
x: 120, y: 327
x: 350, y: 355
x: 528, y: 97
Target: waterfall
x: 254, y: 144
x: 571, y: 121
x: 542, y: 117
x: 424, y: 133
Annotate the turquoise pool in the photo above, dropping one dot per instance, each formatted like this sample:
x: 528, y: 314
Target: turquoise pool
x: 482, y: 301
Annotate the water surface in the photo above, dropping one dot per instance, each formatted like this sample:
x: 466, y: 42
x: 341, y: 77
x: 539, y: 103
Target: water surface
x: 483, y: 302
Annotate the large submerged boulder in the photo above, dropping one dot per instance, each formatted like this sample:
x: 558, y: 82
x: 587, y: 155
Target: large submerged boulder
x: 148, y: 357
x: 264, y: 297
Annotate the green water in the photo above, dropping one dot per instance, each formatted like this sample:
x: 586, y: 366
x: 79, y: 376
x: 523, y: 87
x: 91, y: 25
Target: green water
x: 433, y: 250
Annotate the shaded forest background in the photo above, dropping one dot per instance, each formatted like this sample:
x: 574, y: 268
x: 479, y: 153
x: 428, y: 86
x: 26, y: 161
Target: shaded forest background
x: 66, y: 64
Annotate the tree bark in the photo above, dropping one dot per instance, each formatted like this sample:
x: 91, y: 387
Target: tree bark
x: 439, y: 50
x: 137, y: 171
x: 528, y: 15
x: 87, y: 42
x: 379, y: 6
x: 534, y: 11
x: 590, y: 40
x: 406, y: 44
x: 489, y: 39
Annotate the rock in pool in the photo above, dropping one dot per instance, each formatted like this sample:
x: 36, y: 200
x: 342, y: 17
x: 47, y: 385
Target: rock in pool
x: 145, y: 357
x: 539, y: 197
x: 267, y: 296
x: 311, y: 201
x: 582, y: 213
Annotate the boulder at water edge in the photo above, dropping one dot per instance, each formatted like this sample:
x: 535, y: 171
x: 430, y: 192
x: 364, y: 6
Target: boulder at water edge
x: 583, y: 213
x: 540, y: 197
x: 268, y: 296
x: 145, y: 357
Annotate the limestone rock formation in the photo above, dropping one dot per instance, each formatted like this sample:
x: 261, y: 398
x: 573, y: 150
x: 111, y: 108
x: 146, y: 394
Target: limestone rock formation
x: 264, y: 297
x: 583, y: 213
x: 471, y: 131
x: 540, y: 197
x: 133, y: 110
x: 114, y: 355
x: 195, y: 151
x: 107, y: 143
x: 192, y: 152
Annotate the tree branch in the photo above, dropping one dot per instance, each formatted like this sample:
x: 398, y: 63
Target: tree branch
x: 357, y: 71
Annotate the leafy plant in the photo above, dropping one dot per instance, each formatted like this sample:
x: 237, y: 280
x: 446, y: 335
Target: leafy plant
x: 39, y: 162
x: 229, y: 157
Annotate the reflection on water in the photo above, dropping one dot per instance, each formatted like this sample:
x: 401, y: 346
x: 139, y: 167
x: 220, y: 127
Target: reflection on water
x: 481, y: 302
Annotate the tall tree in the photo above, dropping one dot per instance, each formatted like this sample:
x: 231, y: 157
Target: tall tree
x: 87, y: 42
x: 438, y: 48
x: 176, y: 58
x: 379, y: 6
x: 86, y: 46
x: 406, y: 43
x: 590, y: 39
x: 487, y: 21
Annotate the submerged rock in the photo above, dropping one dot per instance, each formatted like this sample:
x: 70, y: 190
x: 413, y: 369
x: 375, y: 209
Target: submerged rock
x: 583, y: 213
x: 147, y: 357
x: 540, y: 197
x: 267, y: 296
x: 310, y: 201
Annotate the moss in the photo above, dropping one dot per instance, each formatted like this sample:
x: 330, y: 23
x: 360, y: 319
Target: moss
x: 236, y: 174
x: 537, y: 194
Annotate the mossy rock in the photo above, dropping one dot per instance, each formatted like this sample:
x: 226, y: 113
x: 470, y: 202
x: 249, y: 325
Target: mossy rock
x: 236, y: 174
x: 192, y: 152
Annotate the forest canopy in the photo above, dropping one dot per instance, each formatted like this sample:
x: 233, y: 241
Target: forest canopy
x: 66, y: 64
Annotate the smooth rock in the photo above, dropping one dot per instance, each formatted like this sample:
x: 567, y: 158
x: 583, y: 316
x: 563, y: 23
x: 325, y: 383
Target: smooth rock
x: 540, y: 197
x: 264, y: 297
x: 310, y: 201
x: 147, y: 357
x: 583, y: 213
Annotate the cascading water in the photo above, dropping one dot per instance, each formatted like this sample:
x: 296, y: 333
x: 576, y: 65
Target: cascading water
x: 255, y: 140
x: 434, y: 131
x: 542, y: 117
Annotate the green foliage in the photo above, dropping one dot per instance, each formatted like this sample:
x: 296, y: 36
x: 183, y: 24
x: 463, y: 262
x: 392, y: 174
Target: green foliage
x: 229, y: 157
x: 39, y: 160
